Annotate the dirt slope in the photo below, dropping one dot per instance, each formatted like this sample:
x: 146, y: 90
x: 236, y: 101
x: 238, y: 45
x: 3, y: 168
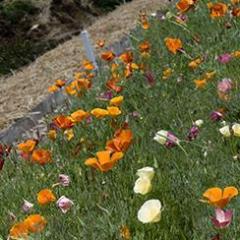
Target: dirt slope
x: 23, y: 90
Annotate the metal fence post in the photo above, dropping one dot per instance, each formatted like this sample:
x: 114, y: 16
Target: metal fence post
x: 88, y: 48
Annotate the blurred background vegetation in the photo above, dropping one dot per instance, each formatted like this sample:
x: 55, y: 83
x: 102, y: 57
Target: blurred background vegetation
x: 29, y: 28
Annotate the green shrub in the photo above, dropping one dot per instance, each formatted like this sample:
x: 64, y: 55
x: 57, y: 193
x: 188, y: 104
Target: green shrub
x: 109, y: 4
x: 14, y: 11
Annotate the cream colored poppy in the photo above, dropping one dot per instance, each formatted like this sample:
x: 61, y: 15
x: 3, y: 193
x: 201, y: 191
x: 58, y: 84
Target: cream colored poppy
x: 161, y: 136
x: 236, y: 129
x: 142, y: 186
x: 146, y: 172
x: 150, y: 211
x: 225, y: 131
x: 199, y: 122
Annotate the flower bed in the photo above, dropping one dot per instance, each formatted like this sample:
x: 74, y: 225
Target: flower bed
x: 148, y: 148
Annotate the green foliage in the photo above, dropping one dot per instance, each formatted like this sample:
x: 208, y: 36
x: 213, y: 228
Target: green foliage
x: 105, y: 202
x: 14, y: 55
x: 14, y: 11
x: 107, y: 5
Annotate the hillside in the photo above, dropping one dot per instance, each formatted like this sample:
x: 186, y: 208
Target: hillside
x: 25, y: 88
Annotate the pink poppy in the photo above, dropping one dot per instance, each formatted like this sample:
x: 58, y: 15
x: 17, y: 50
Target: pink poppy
x: 222, y: 218
x: 225, y: 85
x: 64, y: 204
x: 224, y: 58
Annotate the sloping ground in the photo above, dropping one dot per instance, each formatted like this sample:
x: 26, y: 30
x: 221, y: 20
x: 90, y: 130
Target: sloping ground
x: 28, y: 86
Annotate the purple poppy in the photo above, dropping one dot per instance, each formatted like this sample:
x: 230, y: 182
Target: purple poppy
x: 105, y: 96
x: 150, y: 78
x: 193, y: 133
x: 216, y: 116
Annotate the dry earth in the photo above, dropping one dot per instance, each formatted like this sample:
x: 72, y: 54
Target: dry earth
x: 27, y: 87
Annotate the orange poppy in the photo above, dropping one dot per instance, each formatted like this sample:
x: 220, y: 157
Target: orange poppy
x: 35, y: 223
x: 79, y: 115
x: 27, y: 146
x: 101, y: 43
x: 104, y: 161
x: 71, y: 89
x: 53, y: 89
x: 112, y: 84
x: 173, y: 44
x: 90, y: 76
x: 19, y: 231
x: 108, y: 56
x: 88, y: 65
x: 45, y: 197
x: 83, y: 83
x: 195, y: 63
x: 113, y: 111
x: 78, y: 75
x: 126, y: 57
x: 63, y: 122
x: 200, y: 83
x: 219, y: 198
x: 116, y: 101
x: 121, y: 141
x: 184, y: 5
x: 236, y: 12
x: 235, y: 2
x: 41, y: 156
x: 145, y: 24
x: 60, y: 83
x: 217, y: 9
x: 144, y: 47
x: 99, y: 112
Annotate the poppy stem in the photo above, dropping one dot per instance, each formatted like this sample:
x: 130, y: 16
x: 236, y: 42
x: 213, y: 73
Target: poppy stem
x: 182, y: 26
x: 131, y: 36
x: 181, y: 147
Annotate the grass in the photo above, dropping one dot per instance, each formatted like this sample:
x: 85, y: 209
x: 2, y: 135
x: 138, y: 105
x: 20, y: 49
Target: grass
x: 103, y: 202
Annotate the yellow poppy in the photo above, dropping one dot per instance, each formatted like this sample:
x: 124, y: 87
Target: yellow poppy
x: 113, y: 111
x: 79, y: 115
x: 195, y: 63
x: 116, y: 101
x: 99, y: 112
